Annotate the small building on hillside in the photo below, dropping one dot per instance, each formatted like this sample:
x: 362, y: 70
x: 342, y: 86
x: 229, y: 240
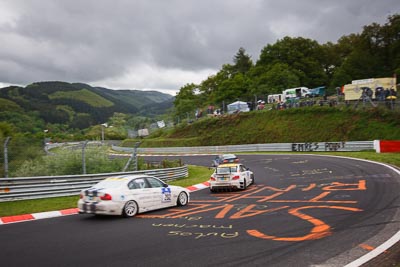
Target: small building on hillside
x: 237, y: 107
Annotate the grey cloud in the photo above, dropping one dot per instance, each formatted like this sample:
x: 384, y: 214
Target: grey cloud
x: 94, y: 40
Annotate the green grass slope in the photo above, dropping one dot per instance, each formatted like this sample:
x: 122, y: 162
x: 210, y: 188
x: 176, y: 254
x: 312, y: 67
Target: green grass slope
x: 83, y: 95
x: 316, y: 124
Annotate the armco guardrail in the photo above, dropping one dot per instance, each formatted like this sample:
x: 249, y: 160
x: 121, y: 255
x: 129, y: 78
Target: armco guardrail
x: 277, y: 147
x: 67, y: 185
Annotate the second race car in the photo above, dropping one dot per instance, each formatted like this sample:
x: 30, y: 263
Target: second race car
x: 231, y: 176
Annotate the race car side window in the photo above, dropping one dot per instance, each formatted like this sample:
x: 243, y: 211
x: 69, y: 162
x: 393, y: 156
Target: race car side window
x: 137, y: 184
x: 132, y: 185
x: 155, y: 182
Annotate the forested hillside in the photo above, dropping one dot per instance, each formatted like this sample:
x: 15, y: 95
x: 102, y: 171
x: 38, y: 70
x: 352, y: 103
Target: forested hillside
x: 298, y: 61
x: 76, y: 105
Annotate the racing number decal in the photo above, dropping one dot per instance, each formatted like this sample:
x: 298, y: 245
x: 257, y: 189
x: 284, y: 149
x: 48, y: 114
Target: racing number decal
x: 166, y: 194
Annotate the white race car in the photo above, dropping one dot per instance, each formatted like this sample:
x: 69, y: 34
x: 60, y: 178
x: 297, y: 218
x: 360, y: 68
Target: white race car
x: 231, y: 176
x: 128, y: 195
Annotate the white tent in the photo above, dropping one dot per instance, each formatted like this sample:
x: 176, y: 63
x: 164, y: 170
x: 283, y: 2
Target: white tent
x: 238, y: 106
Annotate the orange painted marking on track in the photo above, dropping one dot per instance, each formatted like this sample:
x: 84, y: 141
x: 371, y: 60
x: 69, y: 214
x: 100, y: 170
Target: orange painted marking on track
x: 309, y: 201
x: 336, y: 186
x: 320, y: 229
x: 232, y: 196
x: 150, y: 216
x: 249, y: 212
x: 322, y: 195
x: 224, y: 209
x: 366, y: 247
x: 280, y: 192
x: 219, y: 198
x: 290, y: 187
x: 311, y: 186
x: 369, y: 248
x: 176, y: 213
x: 248, y: 194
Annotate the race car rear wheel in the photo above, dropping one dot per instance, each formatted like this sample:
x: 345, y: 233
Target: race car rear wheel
x: 130, y: 209
x: 182, y: 199
x: 244, y: 184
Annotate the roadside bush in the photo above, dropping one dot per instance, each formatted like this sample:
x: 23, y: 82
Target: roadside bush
x: 69, y: 162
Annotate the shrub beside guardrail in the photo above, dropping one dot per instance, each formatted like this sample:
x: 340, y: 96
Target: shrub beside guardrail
x: 20, y: 188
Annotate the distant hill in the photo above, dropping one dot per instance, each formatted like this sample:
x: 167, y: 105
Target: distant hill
x: 81, y: 105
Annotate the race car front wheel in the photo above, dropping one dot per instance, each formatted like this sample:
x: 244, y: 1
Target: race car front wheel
x: 182, y: 199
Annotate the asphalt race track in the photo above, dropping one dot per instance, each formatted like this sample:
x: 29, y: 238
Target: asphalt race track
x: 303, y: 211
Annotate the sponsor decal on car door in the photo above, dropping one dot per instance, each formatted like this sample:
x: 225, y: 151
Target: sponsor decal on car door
x: 166, y: 196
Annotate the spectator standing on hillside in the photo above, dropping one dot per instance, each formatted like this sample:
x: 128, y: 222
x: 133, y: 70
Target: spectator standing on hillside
x: 198, y: 113
x: 210, y: 109
x: 393, y: 92
x: 260, y: 105
x: 281, y: 105
x: 390, y: 96
x: 378, y: 93
x: 387, y: 93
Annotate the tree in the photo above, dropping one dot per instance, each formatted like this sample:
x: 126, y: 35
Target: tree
x: 373, y: 53
x: 234, y: 88
x: 243, y: 62
x: 187, y: 100
x: 81, y: 121
x: 273, y: 81
x: 391, y: 37
x: 302, y: 55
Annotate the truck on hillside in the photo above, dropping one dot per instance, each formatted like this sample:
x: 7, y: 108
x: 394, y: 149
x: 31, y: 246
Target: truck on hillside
x: 317, y: 91
x: 296, y: 92
x: 275, y: 98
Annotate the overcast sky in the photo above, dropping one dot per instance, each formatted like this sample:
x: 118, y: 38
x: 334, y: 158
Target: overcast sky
x: 160, y: 44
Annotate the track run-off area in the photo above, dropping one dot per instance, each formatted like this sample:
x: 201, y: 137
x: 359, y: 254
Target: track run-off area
x: 303, y: 210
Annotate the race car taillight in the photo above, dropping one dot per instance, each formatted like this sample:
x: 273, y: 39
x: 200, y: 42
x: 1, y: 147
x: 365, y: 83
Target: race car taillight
x: 106, y: 197
x: 212, y: 178
x: 236, y: 177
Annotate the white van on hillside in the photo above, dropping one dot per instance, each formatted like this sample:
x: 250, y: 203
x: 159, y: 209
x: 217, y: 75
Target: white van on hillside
x: 296, y: 92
